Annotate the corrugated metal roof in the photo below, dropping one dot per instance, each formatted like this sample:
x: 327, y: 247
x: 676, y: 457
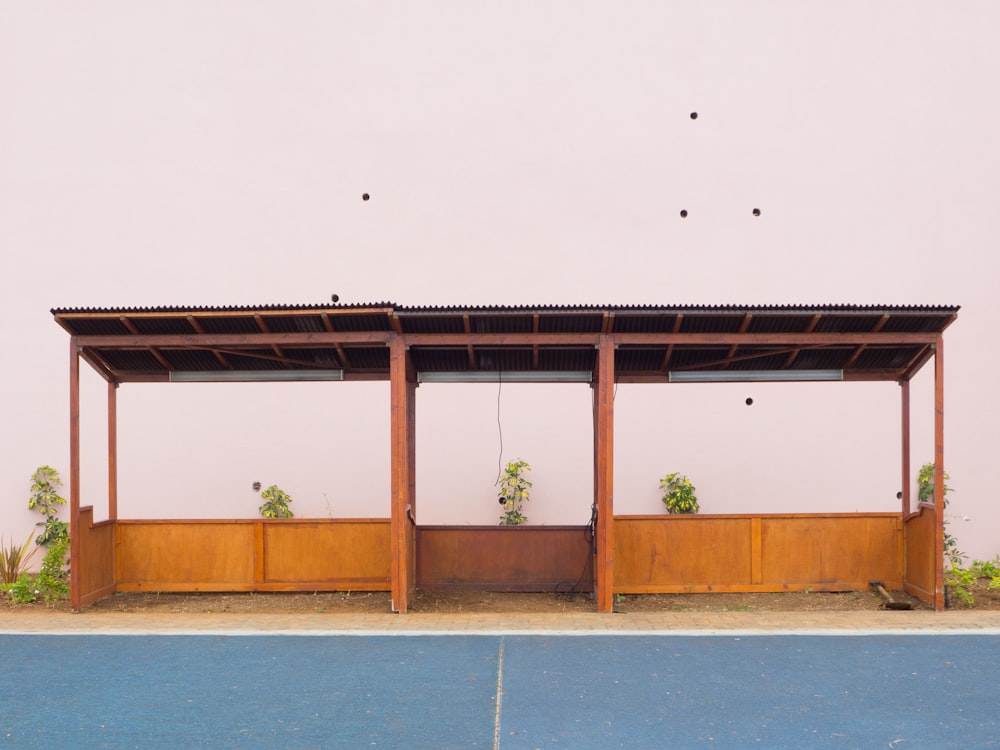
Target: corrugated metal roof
x: 151, y: 343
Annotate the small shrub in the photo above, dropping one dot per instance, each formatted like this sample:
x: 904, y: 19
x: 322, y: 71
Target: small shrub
x: 50, y: 584
x: 513, y: 493
x: 678, y: 494
x: 275, y: 503
x: 14, y: 559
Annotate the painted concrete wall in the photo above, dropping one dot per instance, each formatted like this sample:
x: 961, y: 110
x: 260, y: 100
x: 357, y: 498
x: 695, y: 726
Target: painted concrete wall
x: 525, y: 153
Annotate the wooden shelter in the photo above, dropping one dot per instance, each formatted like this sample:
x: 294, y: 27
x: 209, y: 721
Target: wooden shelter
x: 597, y: 345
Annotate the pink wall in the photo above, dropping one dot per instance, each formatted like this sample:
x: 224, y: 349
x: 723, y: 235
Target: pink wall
x: 170, y: 153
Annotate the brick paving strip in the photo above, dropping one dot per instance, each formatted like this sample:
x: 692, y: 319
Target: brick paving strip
x: 561, y: 623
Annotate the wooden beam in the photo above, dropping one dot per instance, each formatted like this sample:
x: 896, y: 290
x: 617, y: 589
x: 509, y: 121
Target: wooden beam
x: 193, y: 322
x: 152, y: 350
x: 340, y: 349
x: 74, y: 475
x: 939, y: 473
x: 402, y: 392
x: 467, y: 325
x: 665, y: 365
x: 905, y: 447
x: 604, y: 476
x: 184, y: 340
x: 731, y: 357
x: 809, y: 329
x: 113, y: 451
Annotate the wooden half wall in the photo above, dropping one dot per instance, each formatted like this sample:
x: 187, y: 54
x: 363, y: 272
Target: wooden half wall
x: 96, y: 560
x: 795, y: 552
x: 920, y: 570
x: 254, y: 555
x: 505, y: 558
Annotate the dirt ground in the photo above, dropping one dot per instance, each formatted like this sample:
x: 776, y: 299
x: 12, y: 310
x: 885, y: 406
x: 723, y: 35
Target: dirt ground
x: 427, y: 601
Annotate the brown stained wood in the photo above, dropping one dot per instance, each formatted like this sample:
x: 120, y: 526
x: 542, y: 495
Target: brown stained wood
x: 328, y: 552
x: 682, y: 551
x: 113, y: 451
x: 504, y: 558
x: 724, y: 553
x: 823, y: 550
x: 756, y: 574
x: 604, y: 539
x: 96, y: 572
x: 938, y: 547
x: 918, y: 550
x: 185, y: 552
x: 74, y: 475
x: 904, y: 388
x: 402, y: 392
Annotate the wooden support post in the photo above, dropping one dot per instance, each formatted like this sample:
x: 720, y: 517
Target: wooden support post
x: 939, y: 473
x: 402, y: 395
x: 905, y: 501
x: 74, y: 475
x: 604, y: 475
x: 112, y: 451
x: 905, y: 447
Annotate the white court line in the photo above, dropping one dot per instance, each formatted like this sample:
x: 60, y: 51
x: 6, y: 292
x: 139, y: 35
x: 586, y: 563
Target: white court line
x: 496, y: 720
x: 495, y: 632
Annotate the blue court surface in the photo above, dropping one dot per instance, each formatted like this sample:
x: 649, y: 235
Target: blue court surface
x: 488, y: 691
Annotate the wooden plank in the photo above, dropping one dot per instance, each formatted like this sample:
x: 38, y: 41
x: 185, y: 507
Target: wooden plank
x: 682, y: 552
x: 74, y: 475
x: 402, y: 465
x: 504, y: 558
x: 781, y: 552
x: 604, y: 563
x: 822, y: 550
x: 756, y: 551
x: 96, y: 572
x: 918, y: 543
x: 186, y: 552
x: 113, y: 451
x: 328, y: 552
x: 939, y: 473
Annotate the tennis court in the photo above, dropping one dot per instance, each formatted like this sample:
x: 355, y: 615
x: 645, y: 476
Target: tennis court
x: 577, y: 691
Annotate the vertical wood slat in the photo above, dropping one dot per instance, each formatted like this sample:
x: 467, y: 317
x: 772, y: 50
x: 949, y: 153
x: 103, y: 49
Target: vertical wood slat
x: 604, y: 479
x: 756, y: 551
x: 939, y: 473
x: 74, y: 475
x: 259, y: 552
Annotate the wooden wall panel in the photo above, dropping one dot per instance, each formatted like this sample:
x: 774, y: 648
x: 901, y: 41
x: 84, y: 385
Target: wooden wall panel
x: 185, y: 555
x: 918, y: 540
x: 664, y: 553
x: 97, y: 557
x: 252, y: 555
x: 498, y: 558
x: 352, y: 553
x: 831, y: 551
x: 701, y: 553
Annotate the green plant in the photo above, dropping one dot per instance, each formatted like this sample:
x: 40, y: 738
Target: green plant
x: 45, y: 499
x: 960, y: 582
x: 14, y: 559
x: 51, y: 582
x: 678, y: 494
x: 275, y: 503
x: 925, y: 494
x: 514, y: 492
